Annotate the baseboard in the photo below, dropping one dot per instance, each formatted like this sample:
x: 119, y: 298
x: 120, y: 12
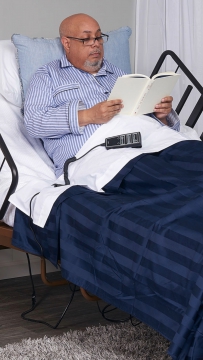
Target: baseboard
x: 14, y: 264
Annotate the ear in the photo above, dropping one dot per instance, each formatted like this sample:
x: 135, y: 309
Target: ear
x: 66, y: 43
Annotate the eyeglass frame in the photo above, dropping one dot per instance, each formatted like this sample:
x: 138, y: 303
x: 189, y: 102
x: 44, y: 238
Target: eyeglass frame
x: 85, y: 39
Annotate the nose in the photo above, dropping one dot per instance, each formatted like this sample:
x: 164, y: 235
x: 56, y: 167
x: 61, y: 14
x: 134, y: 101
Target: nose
x: 96, y: 42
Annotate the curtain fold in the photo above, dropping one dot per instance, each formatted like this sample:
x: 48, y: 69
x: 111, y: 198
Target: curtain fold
x: 171, y: 25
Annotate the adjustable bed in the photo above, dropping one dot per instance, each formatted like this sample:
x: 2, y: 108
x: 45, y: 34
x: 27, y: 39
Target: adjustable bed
x: 136, y: 241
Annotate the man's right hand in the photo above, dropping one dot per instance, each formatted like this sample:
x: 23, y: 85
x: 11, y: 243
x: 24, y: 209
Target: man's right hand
x: 100, y: 113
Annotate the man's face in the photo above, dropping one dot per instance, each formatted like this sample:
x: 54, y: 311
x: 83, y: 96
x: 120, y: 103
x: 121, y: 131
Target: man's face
x: 85, y: 57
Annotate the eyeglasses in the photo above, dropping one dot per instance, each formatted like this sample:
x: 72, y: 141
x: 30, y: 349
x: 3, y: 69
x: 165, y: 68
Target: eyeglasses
x: 91, y: 41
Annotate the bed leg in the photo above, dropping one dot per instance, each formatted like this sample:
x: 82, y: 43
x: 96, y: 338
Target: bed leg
x: 88, y: 296
x: 44, y: 276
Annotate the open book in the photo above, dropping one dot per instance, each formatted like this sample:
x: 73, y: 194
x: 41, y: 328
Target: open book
x: 140, y: 94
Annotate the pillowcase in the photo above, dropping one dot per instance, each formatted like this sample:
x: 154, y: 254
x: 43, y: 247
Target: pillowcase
x: 117, y: 50
x: 10, y: 87
x: 32, y: 53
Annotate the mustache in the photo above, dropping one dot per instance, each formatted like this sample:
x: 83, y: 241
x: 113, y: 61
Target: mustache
x: 95, y: 52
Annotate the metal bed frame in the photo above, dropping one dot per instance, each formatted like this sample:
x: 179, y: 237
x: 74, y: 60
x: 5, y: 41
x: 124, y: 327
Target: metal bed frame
x: 197, y: 110
x: 7, y: 231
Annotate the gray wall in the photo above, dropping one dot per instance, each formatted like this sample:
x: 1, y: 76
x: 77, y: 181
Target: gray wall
x: 41, y: 18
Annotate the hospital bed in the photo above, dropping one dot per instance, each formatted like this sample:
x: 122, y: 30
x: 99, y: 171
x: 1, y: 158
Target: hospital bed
x: 155, y: 275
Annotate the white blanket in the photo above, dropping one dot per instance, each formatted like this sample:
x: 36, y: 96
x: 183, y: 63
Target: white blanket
x: 99, y: 166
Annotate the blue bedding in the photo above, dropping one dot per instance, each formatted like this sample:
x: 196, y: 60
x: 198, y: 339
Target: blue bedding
x: 138, y: 245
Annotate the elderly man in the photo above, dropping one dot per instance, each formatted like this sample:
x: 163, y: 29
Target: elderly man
x: 67, y: 98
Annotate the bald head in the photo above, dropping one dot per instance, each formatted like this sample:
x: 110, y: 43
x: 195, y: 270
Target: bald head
x: 72, y: 24
x: 72, y: 31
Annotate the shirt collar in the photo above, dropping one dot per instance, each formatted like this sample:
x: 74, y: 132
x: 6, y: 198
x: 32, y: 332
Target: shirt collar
x: 65, y: 62
x: 106, y: 66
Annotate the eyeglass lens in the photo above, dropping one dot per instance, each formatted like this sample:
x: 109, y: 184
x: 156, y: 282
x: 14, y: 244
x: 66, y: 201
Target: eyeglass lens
x: 91, y: 41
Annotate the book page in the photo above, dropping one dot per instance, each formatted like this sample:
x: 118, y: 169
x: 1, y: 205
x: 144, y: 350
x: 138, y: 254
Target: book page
x: 136, y: 76
x: 163, y: 74
x: 129, y: 89
x: 158, y: 89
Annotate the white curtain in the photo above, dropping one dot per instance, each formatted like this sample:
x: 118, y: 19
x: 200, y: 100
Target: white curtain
x: 175, y: 25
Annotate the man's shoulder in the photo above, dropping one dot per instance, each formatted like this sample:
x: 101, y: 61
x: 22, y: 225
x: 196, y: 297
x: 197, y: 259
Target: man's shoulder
x: 52, y: 65
x: 47, y: 72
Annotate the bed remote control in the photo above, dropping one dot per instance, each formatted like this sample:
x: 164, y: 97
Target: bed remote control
x: 123, y: 141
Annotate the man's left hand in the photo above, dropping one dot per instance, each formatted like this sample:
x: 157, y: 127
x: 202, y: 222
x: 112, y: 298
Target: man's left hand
x: 164, y: 108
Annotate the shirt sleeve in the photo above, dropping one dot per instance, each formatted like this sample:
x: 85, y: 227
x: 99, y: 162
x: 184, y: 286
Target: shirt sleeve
x: 43, y: 117
x: 172, y: 120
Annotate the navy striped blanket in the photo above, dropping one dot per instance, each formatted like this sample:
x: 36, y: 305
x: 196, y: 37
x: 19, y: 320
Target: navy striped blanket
x: 138, y: 245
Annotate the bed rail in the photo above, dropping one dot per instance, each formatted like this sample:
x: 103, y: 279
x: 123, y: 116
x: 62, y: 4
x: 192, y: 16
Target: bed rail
x: 14, y: 172
x: 196, y: 112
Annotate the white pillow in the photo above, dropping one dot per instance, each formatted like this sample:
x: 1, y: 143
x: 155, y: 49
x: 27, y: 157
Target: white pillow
x: 10, y: 87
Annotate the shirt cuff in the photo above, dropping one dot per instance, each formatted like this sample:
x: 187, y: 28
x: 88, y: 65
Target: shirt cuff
x: 173, y: 120
x: 72, y: 110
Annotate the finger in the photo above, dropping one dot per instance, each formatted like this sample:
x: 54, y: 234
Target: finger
x: 163, y: 112
x: 115, y: 108
x: 167, y: 99
x: 112, y: 112
x: 114, y: 102
x: 162, y: 108
x: 165, y: 102
x: 109, y: 112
